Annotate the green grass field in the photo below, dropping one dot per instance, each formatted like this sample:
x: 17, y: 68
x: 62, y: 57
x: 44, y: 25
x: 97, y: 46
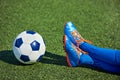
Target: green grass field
x: 96, y: 20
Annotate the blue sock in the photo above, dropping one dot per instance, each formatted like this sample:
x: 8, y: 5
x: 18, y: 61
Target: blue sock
x: 103, y: 54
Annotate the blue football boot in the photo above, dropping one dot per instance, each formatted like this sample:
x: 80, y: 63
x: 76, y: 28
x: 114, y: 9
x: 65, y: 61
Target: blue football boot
x: 73, y: 53
x: 72, y: 33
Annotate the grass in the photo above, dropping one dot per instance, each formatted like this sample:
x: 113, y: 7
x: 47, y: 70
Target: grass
x: 96, y: 20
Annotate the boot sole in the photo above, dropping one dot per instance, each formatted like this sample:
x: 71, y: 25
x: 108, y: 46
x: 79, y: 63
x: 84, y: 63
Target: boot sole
x: 67, y: 58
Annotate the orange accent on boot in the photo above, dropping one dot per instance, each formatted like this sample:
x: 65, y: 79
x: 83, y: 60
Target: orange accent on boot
x: 67, y: 58
x: 88, y: 41
x: 81, y: 50
x: 83, y: 40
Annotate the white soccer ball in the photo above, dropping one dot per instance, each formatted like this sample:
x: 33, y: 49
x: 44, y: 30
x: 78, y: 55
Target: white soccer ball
x: 29, y: 47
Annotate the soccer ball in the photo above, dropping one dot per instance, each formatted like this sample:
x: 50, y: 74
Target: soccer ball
x: 29, y: 47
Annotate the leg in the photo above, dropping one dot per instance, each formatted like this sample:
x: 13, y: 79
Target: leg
x: 107, y: 55
x: 105, y: 66
x: 87, y: 60
x: 74, y: 58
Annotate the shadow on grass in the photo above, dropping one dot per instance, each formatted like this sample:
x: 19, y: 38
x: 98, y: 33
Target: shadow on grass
x: 52, y: 58
x: 8, y: 57
x: 49, y: 58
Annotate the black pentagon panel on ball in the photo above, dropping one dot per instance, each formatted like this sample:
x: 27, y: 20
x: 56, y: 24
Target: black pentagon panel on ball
x: 24, y: 58
x: 35, y: 45
x: 18, y: 42
x: 30, y: 32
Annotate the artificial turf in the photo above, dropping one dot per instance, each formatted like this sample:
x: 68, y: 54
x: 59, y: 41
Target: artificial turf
x: 96, y: 20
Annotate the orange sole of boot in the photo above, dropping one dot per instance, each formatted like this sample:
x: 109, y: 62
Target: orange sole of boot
x: 67, y: 58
